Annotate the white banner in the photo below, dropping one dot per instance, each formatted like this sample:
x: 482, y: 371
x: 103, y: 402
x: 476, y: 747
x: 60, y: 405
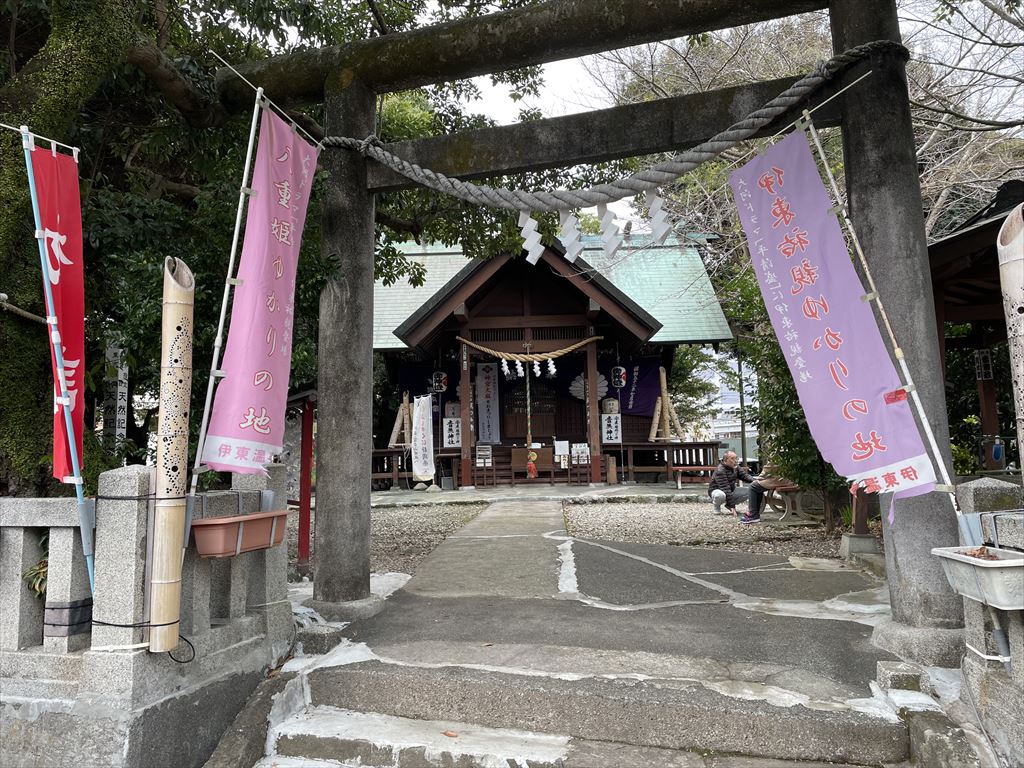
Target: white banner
x: 489, y: 424
x: 611, y: 428
x: 423, y: 439
x: 453, y: 433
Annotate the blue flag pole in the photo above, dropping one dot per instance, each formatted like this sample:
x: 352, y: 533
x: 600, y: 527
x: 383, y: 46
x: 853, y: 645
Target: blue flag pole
x: 86, y: 513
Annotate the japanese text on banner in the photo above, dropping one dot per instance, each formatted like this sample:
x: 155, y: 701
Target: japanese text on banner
x: 850, y: 392
x: 247, y: 423
x: 60, y: 213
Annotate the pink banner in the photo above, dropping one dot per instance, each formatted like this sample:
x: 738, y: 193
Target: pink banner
x: 247, y: 423
x: 855, y: 404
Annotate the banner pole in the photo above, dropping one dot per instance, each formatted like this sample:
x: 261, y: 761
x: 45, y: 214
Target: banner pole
x: 876, y: 298
x: 229, y: 281
x: 85, y: 516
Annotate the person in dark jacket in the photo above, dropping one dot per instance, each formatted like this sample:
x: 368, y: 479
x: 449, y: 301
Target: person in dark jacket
x: 722, y: 489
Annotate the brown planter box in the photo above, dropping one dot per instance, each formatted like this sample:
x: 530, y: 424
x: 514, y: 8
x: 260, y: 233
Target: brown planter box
x: 229, y: 536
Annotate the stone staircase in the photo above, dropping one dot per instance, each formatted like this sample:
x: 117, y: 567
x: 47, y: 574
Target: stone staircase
x: 492, y: 656
x: 375, y: 713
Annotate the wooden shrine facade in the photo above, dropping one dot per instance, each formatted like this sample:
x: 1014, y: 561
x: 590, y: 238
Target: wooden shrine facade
x: 573, y: 311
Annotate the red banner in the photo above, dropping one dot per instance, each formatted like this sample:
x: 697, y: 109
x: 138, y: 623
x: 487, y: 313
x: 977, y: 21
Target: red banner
x: 60, y: 213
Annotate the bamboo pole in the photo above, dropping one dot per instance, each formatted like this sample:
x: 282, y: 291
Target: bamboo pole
x: 171, y: 455
x: 1010, y: 246
x: 655, y: 420
x: 676, y: 425
x: 666, y: 404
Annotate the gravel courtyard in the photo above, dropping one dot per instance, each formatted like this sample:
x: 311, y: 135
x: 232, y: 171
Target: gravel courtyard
x: 403, y: 536
x: 400, y: 537
x: 694, y: 525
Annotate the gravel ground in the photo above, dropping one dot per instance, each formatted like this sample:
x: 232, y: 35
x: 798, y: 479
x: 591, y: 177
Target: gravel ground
x: 400, y: 537
x: 695, y: 525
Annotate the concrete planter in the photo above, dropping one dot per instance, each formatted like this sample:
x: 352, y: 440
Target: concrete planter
x: 229, y: 536
x: 999, y: 583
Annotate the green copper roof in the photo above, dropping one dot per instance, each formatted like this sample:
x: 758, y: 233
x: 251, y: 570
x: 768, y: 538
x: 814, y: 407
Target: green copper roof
x: 668, y: 281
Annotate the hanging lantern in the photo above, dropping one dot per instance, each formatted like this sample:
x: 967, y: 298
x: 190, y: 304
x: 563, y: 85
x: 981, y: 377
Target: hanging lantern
x: 536, y: 369
x: 618, y: 377
x: 519, y: 369
x: 439, y: 381
x: 551, y: 369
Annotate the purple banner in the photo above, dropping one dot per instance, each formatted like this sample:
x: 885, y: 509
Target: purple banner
x: 853, y: 399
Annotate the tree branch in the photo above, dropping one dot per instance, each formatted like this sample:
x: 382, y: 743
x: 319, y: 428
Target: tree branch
x: 994, y: 124
x: 378, y: 19
x: 198, y: 110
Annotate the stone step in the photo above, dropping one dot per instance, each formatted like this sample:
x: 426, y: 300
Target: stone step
x: 646, y: 712
x: 327, y: 736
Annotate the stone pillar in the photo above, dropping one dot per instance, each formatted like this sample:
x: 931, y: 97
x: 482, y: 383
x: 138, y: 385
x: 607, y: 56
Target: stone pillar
x: 465, y: 414
x: 345, y: 382
x: 67, y: 590
x: 21, y: 612
x: 267, y: 592
x: 195, y: 584
x: 121, y: 555
x: 885, y: 206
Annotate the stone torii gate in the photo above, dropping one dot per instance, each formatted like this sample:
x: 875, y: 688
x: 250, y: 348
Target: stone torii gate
x: 884, y: 200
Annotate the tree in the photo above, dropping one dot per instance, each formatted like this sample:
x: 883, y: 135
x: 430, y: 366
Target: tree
x: 132, y: 85
x: 966, y: 90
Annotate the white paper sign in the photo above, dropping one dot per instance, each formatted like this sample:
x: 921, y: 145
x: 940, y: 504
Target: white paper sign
x: 611, y: 428
x: 422, y: 439
x: 561, y: 447
x: 453, y: 433
x: 580, y: 453
x: 484, y: 456
x: 489, y: 426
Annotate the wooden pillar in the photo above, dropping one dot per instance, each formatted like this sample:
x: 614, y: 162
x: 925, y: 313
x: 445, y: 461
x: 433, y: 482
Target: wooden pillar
x: 989, y: 417
x: 465, y: 411
x: 884, y: 197
x: 345, y: 383
x: 305, y: 484
x: 593, y: 414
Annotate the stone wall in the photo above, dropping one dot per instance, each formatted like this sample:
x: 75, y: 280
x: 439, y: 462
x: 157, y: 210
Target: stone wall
x: 993, y: 688
x: 100, y: 697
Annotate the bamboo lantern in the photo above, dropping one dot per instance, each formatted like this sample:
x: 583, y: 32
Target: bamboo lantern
x: 171, y: 455
x: 1010, y: 245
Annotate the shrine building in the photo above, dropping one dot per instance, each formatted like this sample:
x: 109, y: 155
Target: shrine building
x: 607, y: 323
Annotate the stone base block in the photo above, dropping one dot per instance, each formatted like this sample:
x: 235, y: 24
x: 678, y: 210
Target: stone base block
x: 858, y: 543
x: 900, y: 675
x: 937, y: 741
x: 929, y: 646
x: 352, y: 610
x: 318, y: 638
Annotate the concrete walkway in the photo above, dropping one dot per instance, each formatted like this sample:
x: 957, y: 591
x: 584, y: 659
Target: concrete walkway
x: 513, y: 633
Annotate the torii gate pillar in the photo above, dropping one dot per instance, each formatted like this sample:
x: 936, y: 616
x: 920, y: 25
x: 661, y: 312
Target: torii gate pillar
x: 341, y: 586
x: 885, y: 206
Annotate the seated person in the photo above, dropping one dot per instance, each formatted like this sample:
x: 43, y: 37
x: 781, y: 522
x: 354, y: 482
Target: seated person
x: 722, y: 489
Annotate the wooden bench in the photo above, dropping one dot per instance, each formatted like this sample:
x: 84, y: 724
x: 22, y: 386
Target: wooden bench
x: 790, y: 498
x: 679, y: 470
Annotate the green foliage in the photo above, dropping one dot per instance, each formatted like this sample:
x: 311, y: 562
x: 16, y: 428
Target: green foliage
x: 154, y: 187
x: 691, y: 387
x: 35, y: 576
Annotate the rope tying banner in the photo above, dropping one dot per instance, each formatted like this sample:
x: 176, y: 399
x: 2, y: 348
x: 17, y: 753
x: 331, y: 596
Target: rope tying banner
x: 528, y: 358
x: 649, y: 179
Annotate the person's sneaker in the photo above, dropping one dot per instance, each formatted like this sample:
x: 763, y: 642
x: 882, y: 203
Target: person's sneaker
x: 717, y: 508
x: 748, y: 520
